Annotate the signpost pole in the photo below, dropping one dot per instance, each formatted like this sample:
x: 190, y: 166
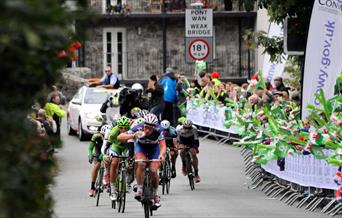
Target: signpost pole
x: 164, y: 35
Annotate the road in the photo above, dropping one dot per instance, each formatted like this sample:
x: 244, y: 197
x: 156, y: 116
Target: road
x: 223, y: 191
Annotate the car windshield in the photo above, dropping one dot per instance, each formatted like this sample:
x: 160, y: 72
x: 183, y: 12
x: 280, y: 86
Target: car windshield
x: 94, y: 96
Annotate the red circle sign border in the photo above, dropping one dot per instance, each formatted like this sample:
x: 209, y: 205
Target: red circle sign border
x: 199, y: 40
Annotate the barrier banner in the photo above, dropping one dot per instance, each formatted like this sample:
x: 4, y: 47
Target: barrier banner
x: 306, y: 171
x: 207, y: 115
x: 323, y: 58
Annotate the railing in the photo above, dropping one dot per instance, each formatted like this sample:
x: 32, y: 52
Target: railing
x: 140, y: 64
x: 156, y: 6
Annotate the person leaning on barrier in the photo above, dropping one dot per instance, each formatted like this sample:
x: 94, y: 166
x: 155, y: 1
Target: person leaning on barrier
x: 108, y: 81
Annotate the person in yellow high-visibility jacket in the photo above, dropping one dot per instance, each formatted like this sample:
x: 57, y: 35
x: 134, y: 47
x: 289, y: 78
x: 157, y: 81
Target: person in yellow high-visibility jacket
x: 54, y: 110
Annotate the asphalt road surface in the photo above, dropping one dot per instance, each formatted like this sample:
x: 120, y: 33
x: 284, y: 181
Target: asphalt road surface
x: 223, y: 191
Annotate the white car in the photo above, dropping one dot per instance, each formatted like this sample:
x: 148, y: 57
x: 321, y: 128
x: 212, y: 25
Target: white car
x: 84, y: 111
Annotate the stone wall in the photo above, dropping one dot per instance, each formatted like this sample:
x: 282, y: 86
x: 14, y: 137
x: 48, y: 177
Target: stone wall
x: 145, y: 48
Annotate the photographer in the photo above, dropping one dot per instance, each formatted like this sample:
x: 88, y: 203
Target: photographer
x: 110, y: 107
x: 155, y: 92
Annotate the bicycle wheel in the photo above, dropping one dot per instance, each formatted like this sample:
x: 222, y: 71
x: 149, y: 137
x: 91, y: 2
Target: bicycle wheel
x: 122, y: 193
x: 99, y: 185
x: 168, y: 176
x: 147, y: 209
x: 163, y: 178
x: 190, y: 172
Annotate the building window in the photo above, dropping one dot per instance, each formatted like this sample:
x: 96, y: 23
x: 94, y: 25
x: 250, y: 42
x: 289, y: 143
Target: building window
x: 114, y: 50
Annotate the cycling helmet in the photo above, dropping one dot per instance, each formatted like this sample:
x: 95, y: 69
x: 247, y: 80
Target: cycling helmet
x: 105, y: 128
x: 135, y: 112
x: 115, y: 119
x: 151, y: 119
x: 187, y: 123
x: 143, y: 113
x: 181, y: 120
x: 123, y: 122
x: 137, y: 87
x: 138, y: 121
x: 165, y: 124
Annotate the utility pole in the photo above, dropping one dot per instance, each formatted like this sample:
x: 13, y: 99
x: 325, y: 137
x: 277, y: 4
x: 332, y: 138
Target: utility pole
x: 164, y: 24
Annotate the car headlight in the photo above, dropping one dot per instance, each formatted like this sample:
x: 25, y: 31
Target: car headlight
x: 91, y: 115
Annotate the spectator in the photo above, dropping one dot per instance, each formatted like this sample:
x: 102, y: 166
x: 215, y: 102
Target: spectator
x: 169, y: 83
x: 130, y: 98
x: 54, y: 110
x: 195, y: 88
x: 56, y: 91
x: 108, y: 81
x: 280, y: 87
x: 215, y: 78
x: 155, y: 92
x: 46, y: 123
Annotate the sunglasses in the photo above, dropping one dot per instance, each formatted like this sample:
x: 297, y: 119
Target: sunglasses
x: 148, y: 126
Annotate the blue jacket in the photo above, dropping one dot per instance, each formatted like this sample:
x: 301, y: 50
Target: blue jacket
x: 169, y: 84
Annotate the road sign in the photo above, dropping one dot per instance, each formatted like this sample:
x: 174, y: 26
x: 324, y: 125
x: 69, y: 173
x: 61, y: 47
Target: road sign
x: 199, y: 23
x: 200, y: 49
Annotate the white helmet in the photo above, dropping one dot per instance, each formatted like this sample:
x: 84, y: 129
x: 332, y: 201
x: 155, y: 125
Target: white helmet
x: 137, y: 86
x: 104, y: 129
x: 187, y: 123
x: 165, y: 124
x: 143, y: 113
x: 151, y: 119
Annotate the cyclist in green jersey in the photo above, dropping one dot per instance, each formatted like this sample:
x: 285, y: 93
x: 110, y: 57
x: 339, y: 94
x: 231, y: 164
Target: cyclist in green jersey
x: 95, y: 157
x: 117, y: 148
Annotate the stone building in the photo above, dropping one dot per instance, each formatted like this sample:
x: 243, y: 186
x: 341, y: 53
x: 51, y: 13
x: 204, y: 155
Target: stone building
x: 130, y: 38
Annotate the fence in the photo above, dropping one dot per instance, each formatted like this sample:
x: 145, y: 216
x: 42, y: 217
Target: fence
x: 155, y: 6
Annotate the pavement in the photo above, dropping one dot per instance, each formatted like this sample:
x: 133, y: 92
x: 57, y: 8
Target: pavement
x: 223, y: 191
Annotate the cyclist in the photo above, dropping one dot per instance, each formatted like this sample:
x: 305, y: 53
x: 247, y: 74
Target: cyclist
x: 135, y: 112
x: 187, y: 135
x: 117, y: 148
x: 150, y: 145
x: 95, y: 156
x: 170, y: 135
x: 180, y: 122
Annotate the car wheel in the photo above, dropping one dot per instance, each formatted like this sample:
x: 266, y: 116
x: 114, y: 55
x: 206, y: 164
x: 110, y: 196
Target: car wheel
x: 70, y: 131
x: 81, y: 135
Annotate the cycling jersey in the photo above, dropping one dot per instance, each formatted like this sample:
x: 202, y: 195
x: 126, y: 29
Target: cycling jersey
x: 148, y: 146
x: 169, y: 135
x: 151, y: 140
x: 188, y: 138
x: 117, y: 148
x: 94, y: 148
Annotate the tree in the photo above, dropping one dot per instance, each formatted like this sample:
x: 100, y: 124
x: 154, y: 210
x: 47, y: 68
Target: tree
x: 278, y: 10
x: 32, y: 33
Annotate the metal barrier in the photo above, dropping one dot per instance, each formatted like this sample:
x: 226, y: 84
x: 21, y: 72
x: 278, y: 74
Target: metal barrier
x: 312, y: 199
x: 290, y: 193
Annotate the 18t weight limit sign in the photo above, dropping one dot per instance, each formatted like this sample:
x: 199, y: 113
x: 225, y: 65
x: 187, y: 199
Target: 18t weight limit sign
x: 199, y: 49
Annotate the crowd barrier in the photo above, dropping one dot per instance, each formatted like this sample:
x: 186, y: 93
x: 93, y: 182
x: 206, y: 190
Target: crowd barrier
x: 304, y: 170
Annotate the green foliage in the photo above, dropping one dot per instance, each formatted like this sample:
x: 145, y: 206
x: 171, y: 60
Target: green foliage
x: 32, y: 33
x: 273, y: 46
x: 278, y: 10
x: 294, y: 72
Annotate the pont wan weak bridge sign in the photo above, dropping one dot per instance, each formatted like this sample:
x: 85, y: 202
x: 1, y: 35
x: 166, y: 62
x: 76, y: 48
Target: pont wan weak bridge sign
x: 199, y: 35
